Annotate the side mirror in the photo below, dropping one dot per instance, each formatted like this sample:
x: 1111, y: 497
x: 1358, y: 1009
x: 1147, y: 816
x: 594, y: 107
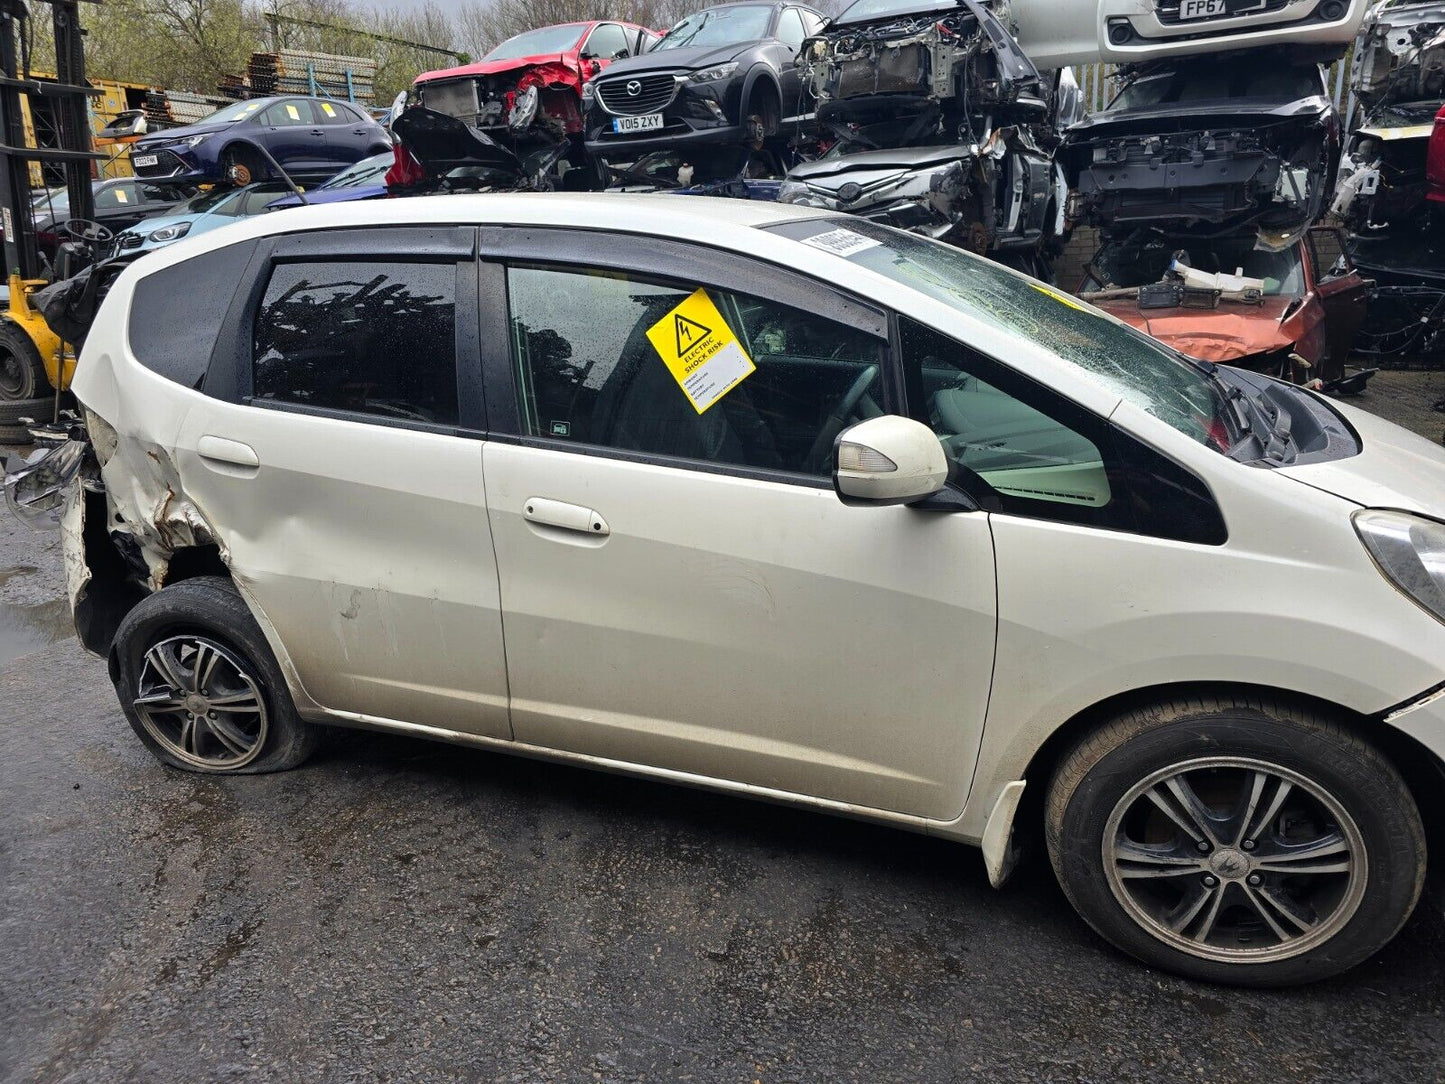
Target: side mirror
x: 888, y: 460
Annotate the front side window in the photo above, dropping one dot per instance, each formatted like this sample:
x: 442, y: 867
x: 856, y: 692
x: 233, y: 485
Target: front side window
x: 607, y: 41
x: 670, y: 369
x: 1042, y: 456
x: 368, y: 337
x: 115, y: 195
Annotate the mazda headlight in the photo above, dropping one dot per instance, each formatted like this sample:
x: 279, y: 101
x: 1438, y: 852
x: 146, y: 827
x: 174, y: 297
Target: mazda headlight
x: 716, y: 72
x: 170, y: 233
x: 1410, y: 551
x: 589, y: 92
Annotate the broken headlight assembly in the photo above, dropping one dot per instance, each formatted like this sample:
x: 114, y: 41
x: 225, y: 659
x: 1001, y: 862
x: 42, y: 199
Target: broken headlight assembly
x: 36, y: 486
x: 1410, y: 551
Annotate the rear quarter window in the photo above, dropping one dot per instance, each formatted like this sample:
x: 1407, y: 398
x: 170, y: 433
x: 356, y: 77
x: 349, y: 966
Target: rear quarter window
x: 176, y: 313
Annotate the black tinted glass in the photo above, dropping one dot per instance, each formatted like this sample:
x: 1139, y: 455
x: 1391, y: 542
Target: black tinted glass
x: 370, y: 338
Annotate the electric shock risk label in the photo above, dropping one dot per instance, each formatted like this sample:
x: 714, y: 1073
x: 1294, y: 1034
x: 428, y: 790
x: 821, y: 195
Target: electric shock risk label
x: 700, y: 350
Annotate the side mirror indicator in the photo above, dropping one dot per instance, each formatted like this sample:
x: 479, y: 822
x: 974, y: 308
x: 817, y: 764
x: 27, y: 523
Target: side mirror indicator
x: 888, y: 460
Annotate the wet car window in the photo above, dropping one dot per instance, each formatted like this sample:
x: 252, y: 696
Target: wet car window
x: 790, y: 28
x: 607, y: 41
x: 718, y: 27
x: 1115, y: 356
x: 230, y: 113
x: 1019, y: 450
x: 590, y: 370
x: 549, y: 39
x: 369, y: 338
x: 1244, y: 77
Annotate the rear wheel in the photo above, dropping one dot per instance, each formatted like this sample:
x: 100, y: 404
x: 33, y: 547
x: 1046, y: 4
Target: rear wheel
x: 1236, y: 841
x: 200, y: 687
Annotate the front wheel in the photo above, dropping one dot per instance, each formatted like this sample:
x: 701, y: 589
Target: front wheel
x: 1236, y: 841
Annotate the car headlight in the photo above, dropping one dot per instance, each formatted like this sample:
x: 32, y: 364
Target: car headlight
x: 716, y: 72
x: 589, y: 92
x: 1410, y: 551
x: 792, y: 192
x: 191, y: 141
x: 170, y: 233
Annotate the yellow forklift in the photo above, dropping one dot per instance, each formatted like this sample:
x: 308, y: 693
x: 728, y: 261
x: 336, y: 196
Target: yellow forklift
x: 35, y: 365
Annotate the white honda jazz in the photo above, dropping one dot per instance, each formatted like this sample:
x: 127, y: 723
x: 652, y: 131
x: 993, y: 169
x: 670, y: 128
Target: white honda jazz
x: 783, y: 503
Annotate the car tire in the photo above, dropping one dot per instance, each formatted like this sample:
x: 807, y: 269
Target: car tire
x: 1242, y: 841
x: 238, y: 718
x: 22, y: 373
x: 12, y: 431
x: 763, y: 115
x: 242, y: 166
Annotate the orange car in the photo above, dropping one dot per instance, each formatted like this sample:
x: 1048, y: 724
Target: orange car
x: 1294, y: 317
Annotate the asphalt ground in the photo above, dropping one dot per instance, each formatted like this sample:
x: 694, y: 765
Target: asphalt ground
x: 399, y: 910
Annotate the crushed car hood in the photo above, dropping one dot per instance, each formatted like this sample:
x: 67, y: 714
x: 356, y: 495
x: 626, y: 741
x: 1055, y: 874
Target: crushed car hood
x: 1191, y: 116
x: 1395, y: 468
x: 442, y: 143
x: 1225, y: 334
x: 496, y: 67
x: 897, y: 158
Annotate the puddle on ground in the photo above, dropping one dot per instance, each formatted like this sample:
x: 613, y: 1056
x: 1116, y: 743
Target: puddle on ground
x: 25, y: 629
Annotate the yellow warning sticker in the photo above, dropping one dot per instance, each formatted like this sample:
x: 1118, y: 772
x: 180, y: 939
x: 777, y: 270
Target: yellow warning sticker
x: 326, y: 108
x: 293, y: 112
x: 120, y: 196
x: 1062, y: 298
x: 700, y: 350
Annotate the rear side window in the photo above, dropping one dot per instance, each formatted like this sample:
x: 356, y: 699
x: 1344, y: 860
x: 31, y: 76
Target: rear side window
x: 176, y: 313
x: 366, y: 338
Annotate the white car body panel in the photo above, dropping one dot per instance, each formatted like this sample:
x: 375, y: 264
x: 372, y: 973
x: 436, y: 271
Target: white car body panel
x: 1056, y: 35
x: 852, y: 645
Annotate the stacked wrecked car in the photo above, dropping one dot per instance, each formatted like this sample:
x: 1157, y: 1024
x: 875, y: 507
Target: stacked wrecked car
x: 932, y: 119
x: 1391, y: 192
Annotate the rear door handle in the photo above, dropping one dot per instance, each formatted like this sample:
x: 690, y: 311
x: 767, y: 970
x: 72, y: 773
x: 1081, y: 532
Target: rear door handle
x: 227, y: 455
x: 564, y: 516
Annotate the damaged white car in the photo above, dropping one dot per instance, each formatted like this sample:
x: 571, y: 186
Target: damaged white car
x: 785, y: 503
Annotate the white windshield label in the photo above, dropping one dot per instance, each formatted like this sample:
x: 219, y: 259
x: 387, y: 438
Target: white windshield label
x: 841, y: 242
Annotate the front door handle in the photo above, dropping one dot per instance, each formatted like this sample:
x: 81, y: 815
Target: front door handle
x: 565, y: 517
x: 228, y: 456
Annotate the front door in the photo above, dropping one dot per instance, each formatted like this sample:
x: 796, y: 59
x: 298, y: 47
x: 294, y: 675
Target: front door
x: 292, y: 136
x: 681, y: 588
x: 356, y: 518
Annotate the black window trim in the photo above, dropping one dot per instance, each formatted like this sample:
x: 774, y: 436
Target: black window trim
x: 647, y: 256
x: 230, y: 370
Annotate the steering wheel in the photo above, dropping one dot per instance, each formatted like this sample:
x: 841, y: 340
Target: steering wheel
x: 83, y: 229
x: 839, y: 417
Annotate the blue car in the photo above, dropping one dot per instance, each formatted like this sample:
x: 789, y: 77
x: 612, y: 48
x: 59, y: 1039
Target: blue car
x: 206, y: 211
x: 365, y: 180
x: 310, y: 138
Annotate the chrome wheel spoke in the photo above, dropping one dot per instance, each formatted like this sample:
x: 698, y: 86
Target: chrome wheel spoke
x: 1183, y: 820
x: 1197, y: 811
x: 1137, y: 860
x: 240, y: 703
x: 188, y: 736
x: 168, y: 669
x: 1272, y: 906
x: 1197, y: 914
x: 1276, y: 803
x: 165, y: 700
x: 202, y: 665
x: 229, y: 736
x: 1331, y: 854
x: 1258, y: 781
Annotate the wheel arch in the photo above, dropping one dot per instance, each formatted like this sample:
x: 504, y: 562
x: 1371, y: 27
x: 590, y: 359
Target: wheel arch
x: 760, y: 75
x: 1422, y: 771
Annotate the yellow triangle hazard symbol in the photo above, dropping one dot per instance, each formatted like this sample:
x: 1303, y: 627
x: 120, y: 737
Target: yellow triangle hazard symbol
x: 689, y: 333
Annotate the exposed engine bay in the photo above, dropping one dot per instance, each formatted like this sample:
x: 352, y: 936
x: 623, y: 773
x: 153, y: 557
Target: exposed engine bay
x: 491, y: 102
x: 937, y: 123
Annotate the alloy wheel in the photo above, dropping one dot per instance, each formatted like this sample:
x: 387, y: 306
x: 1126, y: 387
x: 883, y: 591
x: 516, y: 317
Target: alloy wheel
x: 198, y: 700
x: 1235, y: 859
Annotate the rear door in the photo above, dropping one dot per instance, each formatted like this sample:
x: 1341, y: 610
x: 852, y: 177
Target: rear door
x: 681, y: 587
x: 341, y: 458
x: 294, y: 137
x: 347, y: 135
x: 1343, y: 293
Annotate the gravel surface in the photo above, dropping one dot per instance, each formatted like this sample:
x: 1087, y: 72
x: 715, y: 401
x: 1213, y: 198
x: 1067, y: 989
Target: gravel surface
x: 404, y: 911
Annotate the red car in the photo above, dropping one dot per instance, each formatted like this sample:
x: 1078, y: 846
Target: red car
x: 556, y: 60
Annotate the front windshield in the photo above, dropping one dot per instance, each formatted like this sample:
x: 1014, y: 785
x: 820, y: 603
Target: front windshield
x: 547, y: 40
x: 717, y: 27
x: 864, y: 11
x: 234, y: 112
x: 1241, y: 78
x: 365, y: 170
x: 208, y: 201
x: 1133, y: 366
x: 1135, y: 262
